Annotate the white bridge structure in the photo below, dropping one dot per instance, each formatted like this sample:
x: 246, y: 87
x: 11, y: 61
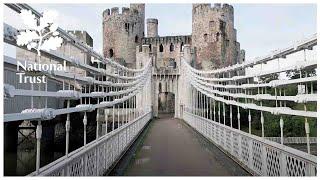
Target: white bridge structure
x: 205, y: 100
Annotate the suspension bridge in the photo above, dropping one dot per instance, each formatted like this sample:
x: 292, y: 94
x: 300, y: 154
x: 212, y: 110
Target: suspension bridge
x: 209, y: 109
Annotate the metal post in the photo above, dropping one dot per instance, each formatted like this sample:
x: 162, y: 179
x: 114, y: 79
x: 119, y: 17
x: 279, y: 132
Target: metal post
x: 207, y: 102
x: 196, y: 97
x: 118, y: 112
x: 106, y: 118
x: 127, y: 117
x: 67, y: 130
x: 214, y: 110
x: 122, y: 114
x: 38, y: 136
x: 307, y: 129
x: 281, y: 129
x: 98, y: 123
x: 238, y: 116
x: 134, y: 108
x: 200, y: 95
x: 85, y: 128
x: 202, y: 105
x: 210, y: 101
x: 112, y: 117
x: 231, y: 116
x: 224, y: 113
x: 219, y: 113
x: 249, y: 118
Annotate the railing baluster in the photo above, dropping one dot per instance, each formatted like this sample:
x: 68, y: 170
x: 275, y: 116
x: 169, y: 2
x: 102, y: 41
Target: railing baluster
x: 38, y: 137
x: 231, y: 116
x: 85, y: 128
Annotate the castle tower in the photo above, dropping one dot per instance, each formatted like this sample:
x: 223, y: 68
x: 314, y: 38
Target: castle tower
x: 123, y: 32
x: 152, y: 27
x: 214, y: 38
x: 141, y: 10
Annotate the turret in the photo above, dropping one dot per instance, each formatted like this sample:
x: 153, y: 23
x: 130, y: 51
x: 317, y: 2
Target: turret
x: 141, y: 11
x: 213, y: 35
x: 123, y: 32
x: 152, y: 27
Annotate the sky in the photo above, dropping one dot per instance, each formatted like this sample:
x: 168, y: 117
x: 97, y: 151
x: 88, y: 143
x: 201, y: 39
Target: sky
x: 261, y: 28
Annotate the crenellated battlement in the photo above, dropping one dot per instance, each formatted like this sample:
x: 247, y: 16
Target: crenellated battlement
x: 166, y: 39
x: 152, y: 20
x: 225, y: 10
x: 123, y: 27
x: 126, y: 12
x: 214, y: 38
x: 213, y: 28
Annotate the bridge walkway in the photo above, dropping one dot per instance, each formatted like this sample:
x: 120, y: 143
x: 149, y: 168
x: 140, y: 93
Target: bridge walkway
x: 168, y: 146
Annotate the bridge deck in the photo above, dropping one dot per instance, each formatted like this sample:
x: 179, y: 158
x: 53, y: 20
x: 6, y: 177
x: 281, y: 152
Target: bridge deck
x: 170, y: 147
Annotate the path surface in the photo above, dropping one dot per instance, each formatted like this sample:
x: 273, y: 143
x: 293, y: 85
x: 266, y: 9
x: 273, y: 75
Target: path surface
x: 170, y: 147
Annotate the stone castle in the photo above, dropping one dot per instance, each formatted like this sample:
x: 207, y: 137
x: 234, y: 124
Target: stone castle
x: 213, y: 41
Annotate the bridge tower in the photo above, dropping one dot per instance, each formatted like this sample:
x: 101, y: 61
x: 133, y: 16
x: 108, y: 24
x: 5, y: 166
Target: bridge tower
x: 122, y: 32
x: 214, y: 37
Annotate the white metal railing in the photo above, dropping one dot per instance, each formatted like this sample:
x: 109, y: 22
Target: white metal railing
x: 293, y: 140
x: 118, y: 91
x: 197, y: 91
x: 213, y: 99
x: 258, y: 155
x: 96, y: 158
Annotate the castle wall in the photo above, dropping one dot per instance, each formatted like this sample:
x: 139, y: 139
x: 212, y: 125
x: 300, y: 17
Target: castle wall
x: 213, y: 36
x: 168, y: 55
x: 123, y: 32
x: 213, y: 44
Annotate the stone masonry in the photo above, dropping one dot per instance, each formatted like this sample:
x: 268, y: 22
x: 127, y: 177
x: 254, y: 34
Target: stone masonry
x: 212, y: 44
x: 123, y: 32
x: 213, y: 39
x: 214, y: 36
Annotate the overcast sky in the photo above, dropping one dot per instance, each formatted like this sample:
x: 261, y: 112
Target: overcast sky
x: 261, y: 27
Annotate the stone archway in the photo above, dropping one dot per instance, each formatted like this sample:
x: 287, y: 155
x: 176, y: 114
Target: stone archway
x: 165, y: 95
x: 166, y: 102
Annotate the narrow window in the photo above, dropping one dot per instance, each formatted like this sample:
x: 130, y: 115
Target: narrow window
x: 171, y: 47
x: 205, y: 37
x: 160, y: 90
x: 150, y: 47
x: 126, y: 26
x: 222, y: 25
x: 217, y: 36
x: 161, y: 48
x: 110, y: 53
x: 136, y: 39
x: 181, y: 46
